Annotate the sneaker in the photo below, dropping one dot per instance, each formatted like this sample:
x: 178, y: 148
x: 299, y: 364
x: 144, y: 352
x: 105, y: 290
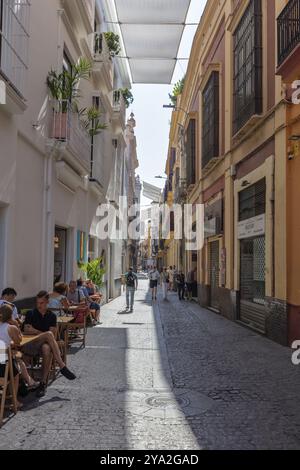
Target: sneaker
x: 67, y: 373
x: 41, y: 390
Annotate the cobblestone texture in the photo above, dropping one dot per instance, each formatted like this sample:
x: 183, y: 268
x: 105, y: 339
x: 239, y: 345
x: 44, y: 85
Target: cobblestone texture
x: 171, y: 376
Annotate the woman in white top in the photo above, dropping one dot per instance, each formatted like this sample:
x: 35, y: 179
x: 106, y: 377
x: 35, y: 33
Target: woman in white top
x: 10, y: 334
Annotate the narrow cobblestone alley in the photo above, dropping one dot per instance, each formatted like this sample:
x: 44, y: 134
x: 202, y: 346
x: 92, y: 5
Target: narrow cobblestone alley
x: 173, y: 376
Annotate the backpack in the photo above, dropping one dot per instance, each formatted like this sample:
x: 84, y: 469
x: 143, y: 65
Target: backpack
x: 130, y: 280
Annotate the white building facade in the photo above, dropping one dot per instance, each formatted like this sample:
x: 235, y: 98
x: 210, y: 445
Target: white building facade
x: 51, y: 182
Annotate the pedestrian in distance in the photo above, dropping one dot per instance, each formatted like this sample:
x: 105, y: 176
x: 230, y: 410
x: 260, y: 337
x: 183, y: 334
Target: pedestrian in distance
x: 131, y: 282
x: 180, y: 280
x: 165, y: 281
x: 175, y: 272
x: 190, y: 279
x: 154, y: 277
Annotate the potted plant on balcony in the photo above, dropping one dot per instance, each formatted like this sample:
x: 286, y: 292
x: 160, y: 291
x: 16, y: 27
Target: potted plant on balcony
x: 113, y: 43
x: 65, y: 92
x: 127, y: 96
x: 177, y: 91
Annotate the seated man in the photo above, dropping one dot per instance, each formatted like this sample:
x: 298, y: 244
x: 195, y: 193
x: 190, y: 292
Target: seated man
x: 42, y: 323
x: 7, y: 298
x: 75, y: 295
x: 93, y: 306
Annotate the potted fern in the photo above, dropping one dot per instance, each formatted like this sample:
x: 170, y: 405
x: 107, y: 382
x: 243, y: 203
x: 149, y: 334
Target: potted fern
x: 64, y: 90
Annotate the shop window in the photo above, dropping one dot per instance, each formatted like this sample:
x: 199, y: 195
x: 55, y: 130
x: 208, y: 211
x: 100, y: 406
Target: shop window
x: 252, y: 201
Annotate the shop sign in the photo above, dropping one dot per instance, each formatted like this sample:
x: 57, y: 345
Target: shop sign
x: 254, y: 227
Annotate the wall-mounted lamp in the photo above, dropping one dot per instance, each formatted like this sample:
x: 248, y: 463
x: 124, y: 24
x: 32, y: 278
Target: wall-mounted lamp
x: 245, y: 183
x: 294, y: 137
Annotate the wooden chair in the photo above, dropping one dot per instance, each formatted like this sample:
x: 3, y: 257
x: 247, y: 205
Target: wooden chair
x: 76, y: 332
x: 7, y: 382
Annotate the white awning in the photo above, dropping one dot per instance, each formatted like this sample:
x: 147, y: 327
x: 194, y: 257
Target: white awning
x: 152, y: 192
x: 152, y: 32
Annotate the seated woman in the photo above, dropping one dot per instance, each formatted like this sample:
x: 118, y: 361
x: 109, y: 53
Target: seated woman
x: 58, y: 299
x: 10, y: 335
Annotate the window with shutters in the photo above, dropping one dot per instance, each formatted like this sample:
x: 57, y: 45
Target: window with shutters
x: 191, y: 152
x: 252, y: 201
x: 247, y: 40
x: 14, y: 37
x: 210, y: 119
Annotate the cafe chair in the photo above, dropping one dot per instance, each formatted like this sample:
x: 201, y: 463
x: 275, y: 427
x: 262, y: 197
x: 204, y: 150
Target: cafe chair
x: 7, y: 387
x: 76, y: 332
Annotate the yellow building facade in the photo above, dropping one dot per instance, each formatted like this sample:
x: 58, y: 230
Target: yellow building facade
x: 231, y: 138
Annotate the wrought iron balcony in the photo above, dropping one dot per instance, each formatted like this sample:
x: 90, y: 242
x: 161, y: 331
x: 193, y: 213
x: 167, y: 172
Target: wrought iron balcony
x: 288, y: 30
x: 68, y: 135
x: 103, y: 64
x: 119, y: 108
x: 14, y: 37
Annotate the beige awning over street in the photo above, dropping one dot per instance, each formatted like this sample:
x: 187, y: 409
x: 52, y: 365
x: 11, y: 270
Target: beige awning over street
x: 152, y: 32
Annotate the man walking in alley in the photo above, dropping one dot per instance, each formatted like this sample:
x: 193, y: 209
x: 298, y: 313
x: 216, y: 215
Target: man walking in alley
x: 180, y: 279
x: 154, y: 277
x: 190, y: 279
x: 131, y: 281
x: 165, y: 281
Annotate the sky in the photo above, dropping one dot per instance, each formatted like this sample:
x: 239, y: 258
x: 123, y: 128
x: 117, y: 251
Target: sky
x: 153, y: 121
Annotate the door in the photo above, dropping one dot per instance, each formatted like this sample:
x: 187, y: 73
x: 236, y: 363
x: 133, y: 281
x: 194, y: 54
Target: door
x: 252, y: 283
x: 214, y: 267
x: 60, y: 255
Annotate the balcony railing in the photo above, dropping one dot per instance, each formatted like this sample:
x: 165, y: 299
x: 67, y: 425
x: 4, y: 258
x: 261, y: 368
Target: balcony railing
x: 67, y: 128
x: 288, y: 30
x: 119, y: 106
x: 100, y: 48
x: 14, y: 36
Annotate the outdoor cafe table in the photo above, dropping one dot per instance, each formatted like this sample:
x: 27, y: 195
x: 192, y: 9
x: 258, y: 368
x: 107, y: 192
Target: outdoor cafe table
x: 28, y: 339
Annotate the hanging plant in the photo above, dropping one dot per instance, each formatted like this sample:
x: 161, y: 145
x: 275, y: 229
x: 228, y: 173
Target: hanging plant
x: 113, y: 43
x: 127, y: 96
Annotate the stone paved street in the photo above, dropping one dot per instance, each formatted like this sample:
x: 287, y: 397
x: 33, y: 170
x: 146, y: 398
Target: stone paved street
x: 170, y: 377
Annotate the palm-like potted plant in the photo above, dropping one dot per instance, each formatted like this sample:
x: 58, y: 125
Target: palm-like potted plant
x: 64, y: 89
x: 95, y: 270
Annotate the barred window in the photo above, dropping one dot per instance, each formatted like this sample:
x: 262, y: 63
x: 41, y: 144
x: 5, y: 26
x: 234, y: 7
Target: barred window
x: 211, y: 115
x: 14, y: 36
x: 252, y: 201
x: 248, y: 66
x: 191, y: 152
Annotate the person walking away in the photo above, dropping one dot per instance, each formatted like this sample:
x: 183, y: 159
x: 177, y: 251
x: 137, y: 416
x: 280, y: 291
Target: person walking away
x: 154, y: 277
x: 190, y: 279
x: 165, y: 281
x: 175, y: 273
x: 171, y: 278
x: 131, y: 281
x: 180, y: 280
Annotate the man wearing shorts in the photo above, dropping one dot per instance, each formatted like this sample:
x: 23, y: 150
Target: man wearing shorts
x: 43, y: 324
x: 154, y: 277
